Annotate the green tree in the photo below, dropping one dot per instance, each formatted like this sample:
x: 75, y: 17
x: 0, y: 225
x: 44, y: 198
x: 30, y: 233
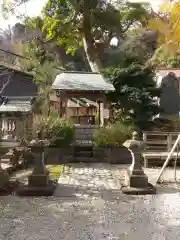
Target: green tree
x: 31, y: 29
x: 138, y: 49
x: 91, y: 24
x: 44, y: 66
x: 166, y: 24
x: 166, y: 59
x: 135, y: 93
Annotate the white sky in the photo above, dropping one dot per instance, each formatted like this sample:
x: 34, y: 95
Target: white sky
x: 34, y: 7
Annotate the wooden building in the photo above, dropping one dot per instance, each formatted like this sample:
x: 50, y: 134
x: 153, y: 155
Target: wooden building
x: 17, y: 94
x: 81, y: 97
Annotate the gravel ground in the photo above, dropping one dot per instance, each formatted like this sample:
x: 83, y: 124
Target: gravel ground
x: 88, y: 204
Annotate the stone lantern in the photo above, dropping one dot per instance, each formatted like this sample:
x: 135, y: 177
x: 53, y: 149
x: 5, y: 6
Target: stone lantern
x: 137, y: 179
x: 40, y: 175
x: 38, y: 182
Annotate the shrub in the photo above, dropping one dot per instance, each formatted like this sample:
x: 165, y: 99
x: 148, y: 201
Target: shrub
x: 114, y: 134
x: 171, y: 125
x: 58, y: 131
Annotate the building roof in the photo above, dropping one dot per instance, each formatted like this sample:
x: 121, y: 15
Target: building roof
x: 16, y: 83
x: 162, y: 72
x: 81, y: 81
x: 17, y: 105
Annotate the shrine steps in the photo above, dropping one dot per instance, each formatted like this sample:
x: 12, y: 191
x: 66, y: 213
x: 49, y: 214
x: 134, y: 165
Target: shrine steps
x: 83, y: 153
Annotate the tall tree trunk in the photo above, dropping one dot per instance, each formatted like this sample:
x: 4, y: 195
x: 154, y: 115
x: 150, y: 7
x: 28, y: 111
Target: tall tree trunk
x: 94, y: 64
x: 88, y: 40
x: 48, y: 105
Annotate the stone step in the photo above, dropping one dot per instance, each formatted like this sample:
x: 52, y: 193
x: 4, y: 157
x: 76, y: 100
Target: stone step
x: 84, y: 154
x: 84, y: 148
x: 84, y: 159
x: 5, y: 160
x: 5, y: 166
x: 6, y: 156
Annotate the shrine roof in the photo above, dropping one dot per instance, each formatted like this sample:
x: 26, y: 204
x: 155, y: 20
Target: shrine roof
x: 81, y: 81
x: 14, y: 82
x: 20, y: 104
x: 164, y: 71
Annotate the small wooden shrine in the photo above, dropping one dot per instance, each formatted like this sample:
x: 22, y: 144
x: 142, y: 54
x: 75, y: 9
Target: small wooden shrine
x: 81, y: 97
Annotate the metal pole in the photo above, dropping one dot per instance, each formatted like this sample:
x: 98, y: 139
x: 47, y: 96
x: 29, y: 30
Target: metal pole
x: 59, y: 105
x: 99, y: 110
x: 168, y: 157
x: 175, y: 163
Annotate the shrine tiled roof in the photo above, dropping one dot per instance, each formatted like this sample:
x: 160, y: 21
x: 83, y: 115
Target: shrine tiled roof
x: 20, y: 104
x: 81, y: 81
x: 164, y: 71
x: 16, y: 83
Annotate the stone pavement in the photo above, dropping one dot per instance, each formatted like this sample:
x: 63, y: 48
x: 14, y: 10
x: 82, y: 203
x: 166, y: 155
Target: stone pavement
x: 89, y: 179
x: 167, y: 176
x: 90, y: 206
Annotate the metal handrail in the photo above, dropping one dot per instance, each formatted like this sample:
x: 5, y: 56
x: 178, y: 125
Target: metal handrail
x: 168, y: 157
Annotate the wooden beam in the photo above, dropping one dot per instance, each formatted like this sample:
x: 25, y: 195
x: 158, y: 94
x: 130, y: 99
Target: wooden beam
x: 99, y: 110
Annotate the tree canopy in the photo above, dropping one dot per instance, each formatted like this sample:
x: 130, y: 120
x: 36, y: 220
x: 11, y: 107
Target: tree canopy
x: 166, y: 24
x: 86, y: 28
x: 135, y: 96
x: 91, y: 24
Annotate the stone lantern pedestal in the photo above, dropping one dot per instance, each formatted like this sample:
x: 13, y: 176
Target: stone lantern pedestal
x: 38, y: 182
x: 4, y: 179
x: 40, y: 175
x: 137, y: 180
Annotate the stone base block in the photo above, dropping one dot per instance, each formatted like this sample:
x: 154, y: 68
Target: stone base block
x: 138, y: 181
x: 38, y: 180
x: 150, y: 189
x: 26, y: 190
x: 4, y: 179
x: 135, y: 181
x: 8, y: 188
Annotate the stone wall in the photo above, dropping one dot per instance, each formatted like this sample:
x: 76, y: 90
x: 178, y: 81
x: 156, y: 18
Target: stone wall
x: 59, y: 156
x: 114, y: 155
x: 84, y: 133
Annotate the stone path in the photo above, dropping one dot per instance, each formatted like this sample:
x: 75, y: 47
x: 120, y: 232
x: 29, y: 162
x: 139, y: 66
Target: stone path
x: 88, y: 205
x: 85, y: 179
